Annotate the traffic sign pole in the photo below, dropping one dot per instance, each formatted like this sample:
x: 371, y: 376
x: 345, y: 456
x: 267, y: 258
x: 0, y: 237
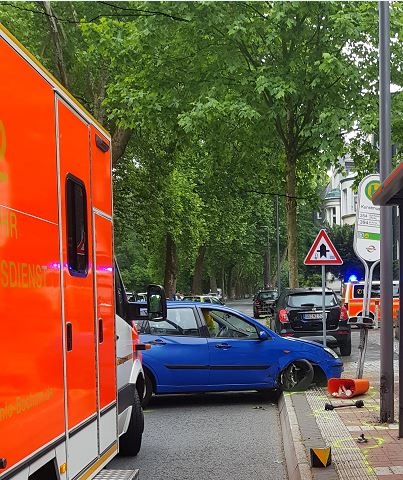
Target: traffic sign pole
x: 324, y: 305
x: 323, y: 252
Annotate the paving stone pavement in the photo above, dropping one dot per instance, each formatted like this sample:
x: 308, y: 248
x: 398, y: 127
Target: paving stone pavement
x: 306, y: 424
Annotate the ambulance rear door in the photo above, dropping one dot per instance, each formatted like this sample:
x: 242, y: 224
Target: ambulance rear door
x: 75, y: 217
x: 101, y: 182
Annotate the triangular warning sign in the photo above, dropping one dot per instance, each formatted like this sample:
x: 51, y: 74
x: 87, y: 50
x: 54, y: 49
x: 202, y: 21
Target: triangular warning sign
x: 321, y: 457
x: 323, y: 252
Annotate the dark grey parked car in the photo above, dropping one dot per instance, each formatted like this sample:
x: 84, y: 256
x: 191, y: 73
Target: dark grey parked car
x: 263, y: 302
x: 298, y: 313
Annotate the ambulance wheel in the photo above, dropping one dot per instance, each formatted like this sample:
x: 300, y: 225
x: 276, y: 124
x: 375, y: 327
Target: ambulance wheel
x: 130, y: 442
x: 148, y: 390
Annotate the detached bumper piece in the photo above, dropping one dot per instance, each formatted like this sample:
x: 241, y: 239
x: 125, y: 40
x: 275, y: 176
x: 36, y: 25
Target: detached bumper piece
x: 117, y: 475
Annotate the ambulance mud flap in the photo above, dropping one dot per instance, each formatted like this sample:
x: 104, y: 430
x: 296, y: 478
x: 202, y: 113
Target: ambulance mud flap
x: 117, y: 475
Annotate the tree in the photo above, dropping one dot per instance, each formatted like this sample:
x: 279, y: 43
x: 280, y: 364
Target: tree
x: 290, y: 64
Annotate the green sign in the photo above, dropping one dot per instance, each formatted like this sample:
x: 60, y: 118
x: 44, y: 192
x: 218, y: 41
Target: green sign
x: 371, y: 188
x: 369, y: 235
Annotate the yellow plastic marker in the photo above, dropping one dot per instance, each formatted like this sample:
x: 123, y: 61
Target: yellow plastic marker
x: 321, y: 457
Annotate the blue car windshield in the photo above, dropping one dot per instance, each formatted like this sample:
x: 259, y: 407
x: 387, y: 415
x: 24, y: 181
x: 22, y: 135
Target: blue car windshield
x: 311, y: 299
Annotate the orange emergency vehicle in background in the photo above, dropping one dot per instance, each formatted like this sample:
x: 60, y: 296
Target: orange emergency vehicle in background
x: 69, y: 391
x: 353, y: 295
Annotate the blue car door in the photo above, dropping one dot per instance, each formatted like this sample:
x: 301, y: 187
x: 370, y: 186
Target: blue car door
x: 179, y: 355
x: 238, y: 357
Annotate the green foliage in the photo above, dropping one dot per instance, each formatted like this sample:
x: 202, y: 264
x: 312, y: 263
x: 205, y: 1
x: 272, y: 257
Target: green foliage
x: 221, y: 98
x: 314, y: 280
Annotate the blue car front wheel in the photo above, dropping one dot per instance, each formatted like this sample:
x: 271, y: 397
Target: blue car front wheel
x: 148, y: 390
x: 297, y: 376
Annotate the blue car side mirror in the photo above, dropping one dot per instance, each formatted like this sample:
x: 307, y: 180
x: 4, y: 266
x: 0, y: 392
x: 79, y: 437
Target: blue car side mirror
x: 263, y: 335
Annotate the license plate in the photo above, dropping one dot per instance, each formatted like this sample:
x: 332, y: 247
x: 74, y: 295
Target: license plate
x: 313, y: 316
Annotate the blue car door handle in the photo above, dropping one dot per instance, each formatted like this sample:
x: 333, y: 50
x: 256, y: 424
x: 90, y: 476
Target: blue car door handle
x: 158, y: 341
x: 223, y: 345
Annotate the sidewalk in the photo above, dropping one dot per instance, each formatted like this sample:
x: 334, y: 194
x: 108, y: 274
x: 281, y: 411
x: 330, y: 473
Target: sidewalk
x: 305, y: 423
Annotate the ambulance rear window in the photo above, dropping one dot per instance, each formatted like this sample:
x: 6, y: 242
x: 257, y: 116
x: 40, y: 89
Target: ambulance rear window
x: 376, y: 290
x: 77, y: 235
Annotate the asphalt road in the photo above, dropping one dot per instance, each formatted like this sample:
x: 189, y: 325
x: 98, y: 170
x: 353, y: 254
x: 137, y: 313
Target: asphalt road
x: 244, y: 305
x: 205, y: 437
x: 229, y: 436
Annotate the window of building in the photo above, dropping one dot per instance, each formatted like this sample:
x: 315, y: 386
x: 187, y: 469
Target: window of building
x: 344, y: 205
x: 355, y: 201
x: 77, y: 233
x: 334, y: 217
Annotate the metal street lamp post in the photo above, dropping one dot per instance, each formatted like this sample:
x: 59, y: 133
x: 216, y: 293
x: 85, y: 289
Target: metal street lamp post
x: 267, y: 263
x: 278, y: 247
x: 385, y: 163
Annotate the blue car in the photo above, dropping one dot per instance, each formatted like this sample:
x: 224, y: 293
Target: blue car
x: 201, y: 347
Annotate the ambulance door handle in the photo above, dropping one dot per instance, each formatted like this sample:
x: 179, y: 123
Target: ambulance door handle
x: 69, y: 335
x: 101, y: 330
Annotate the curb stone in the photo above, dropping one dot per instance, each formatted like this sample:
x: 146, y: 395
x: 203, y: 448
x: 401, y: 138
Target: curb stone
x: 298, y: 466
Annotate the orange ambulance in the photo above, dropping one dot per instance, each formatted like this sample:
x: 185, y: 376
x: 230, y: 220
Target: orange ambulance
x: 353, y: 296
x: 69, y: 392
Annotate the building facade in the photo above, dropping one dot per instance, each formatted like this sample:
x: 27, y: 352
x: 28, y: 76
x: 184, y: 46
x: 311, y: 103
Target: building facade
x: 340, y: 199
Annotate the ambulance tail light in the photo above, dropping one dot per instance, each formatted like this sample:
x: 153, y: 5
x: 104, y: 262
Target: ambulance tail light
x: 135, y: 340
x: 343, y: 313
x: 283, y: 316
x: 141, y: 346
x: 136, y: 345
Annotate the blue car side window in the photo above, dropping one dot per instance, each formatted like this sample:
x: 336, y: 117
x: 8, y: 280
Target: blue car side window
x: 180, y: 321
x: 226, y: 325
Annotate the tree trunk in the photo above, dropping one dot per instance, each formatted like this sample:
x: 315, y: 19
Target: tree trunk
x: 98, y: 97
x: 291, y: 208
x: 274, y: 277
x: 120, y: 139
x: 171, y: 266
x: 57, y: 43
x: 213, y: 284
x: 238, y: 289
x: 230, y: 282
x: 197, y: 286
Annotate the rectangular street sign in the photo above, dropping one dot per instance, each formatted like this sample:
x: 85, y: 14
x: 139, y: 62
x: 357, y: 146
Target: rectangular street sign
x: 367, y: 233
